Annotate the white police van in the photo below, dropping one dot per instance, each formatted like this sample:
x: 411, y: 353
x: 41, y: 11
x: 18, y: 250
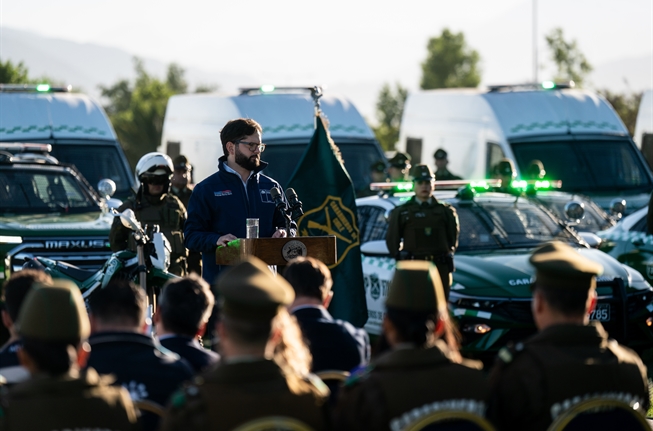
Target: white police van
x: 575, y: 133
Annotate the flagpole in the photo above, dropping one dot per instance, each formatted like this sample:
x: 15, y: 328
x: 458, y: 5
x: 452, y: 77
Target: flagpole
x: 316, y: 93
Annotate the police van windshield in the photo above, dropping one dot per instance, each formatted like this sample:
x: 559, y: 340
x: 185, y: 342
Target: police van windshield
x: 284, y: 158
x: 39, y: 191
x: 587, y: 165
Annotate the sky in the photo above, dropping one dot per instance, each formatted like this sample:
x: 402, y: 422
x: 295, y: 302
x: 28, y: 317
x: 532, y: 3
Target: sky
x: 351, y: 47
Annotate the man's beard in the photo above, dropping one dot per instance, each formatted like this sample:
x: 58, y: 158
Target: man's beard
x: 249, y: 163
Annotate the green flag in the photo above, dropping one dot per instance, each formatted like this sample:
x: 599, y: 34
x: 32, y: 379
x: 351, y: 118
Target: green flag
x: 329, y: 201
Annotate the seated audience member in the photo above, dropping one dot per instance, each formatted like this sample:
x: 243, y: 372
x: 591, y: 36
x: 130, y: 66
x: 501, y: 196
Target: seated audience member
x: 423, y: 372
x: 182, y: 314
x: 334, y: 344
x: 120, y: 347
x: 53, y: 326
x: 15, y: 290
x: 264, y: 365
x: 570, y: 359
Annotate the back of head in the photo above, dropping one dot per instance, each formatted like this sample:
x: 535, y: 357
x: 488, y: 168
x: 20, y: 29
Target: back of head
x: 564, y: 276
x: 238, y: 129
x: 308, y: 277
x: 17, y: 287
x: 120, y: 303
x: 185, y: 305
x: 251, y: 297
x: 416, y: 302
x: 52, y: 323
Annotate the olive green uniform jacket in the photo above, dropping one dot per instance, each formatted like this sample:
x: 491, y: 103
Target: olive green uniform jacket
x: 429, y: 231
x: 445, y: 175
x: 168, y: 213
x: 404, y: 383
x: 239, y: 392
x: 533, y: 382
x: 194, y: 257
x: 69, y: 401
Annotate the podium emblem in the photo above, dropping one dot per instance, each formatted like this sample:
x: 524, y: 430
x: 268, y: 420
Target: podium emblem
x: 293, y: 249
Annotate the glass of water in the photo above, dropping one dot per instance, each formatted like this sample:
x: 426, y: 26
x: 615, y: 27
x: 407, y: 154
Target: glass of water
x: 251, y: 226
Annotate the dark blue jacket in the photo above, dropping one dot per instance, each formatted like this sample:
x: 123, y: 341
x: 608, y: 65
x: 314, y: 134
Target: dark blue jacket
x: 138, y: 365
x: 219, y: 205
x: 189, y: 348
x: 334, y: 344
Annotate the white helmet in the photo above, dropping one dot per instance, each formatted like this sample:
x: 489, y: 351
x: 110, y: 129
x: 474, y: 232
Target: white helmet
x: 154, y: 164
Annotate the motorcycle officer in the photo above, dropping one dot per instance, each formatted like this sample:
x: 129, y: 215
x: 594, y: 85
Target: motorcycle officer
x: 154, y: 205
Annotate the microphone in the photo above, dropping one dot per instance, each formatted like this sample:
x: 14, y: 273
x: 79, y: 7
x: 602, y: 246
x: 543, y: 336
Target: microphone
x: 295, y: 204
x: 275, y: 193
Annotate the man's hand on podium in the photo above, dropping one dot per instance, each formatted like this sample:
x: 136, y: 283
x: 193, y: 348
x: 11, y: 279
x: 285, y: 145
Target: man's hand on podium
x: 280, y: 233
x: 224, y: 239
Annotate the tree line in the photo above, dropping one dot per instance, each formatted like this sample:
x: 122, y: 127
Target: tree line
x: 451, y: 63
x: 137, y: 107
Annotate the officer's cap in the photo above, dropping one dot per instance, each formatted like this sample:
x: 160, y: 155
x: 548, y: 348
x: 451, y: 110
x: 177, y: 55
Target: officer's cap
x: 422, y: 173
x: 399, y: 160
x: 535, y: 169
x: 505, y: 167
x: 416, y: 286
x: 54, y: 313
x: 558, y: 265
x: 440, y: 154
x: 378, y: 166
x: 251, y: 292
x: 181, y: 162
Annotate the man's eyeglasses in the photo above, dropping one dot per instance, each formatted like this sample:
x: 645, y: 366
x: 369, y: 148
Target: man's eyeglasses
x: 252, y: 145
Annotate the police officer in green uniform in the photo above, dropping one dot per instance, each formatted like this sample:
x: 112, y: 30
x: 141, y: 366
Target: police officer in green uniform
x: 153, y: 205
x: 441, y: 171
x: 429, y: 229
x: 570, y: 359
x: 505, y: 171
x: 423, y: 372
x: 399, y: 167
x: 378, y: 174
x: 53, y: 325
x: 180, y: 186
x: 246, y: 384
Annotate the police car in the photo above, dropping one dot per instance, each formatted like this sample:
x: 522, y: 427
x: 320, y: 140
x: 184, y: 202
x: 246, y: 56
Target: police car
x: 630, y: 243
x: 48, y: 209
x: 490, y: 294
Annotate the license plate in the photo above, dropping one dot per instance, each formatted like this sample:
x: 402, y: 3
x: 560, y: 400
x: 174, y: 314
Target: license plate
x: 601, y: 313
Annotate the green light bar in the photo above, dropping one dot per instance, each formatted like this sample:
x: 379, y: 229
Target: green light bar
x: 267, y: 88
x: 548, y: 85
x: 43, y: 87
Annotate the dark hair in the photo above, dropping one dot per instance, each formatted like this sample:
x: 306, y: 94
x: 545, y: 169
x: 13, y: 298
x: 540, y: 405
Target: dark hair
x: 570, y: 302
x: 18, y: 286
x: 121, y: 301
x: 308, y: 277
x: 413, y: 326
x: 238, y: 129
x: 51, y: 357
x: 185, y: 304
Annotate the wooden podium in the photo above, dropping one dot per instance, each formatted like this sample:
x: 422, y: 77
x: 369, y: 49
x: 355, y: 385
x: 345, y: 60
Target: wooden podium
x: 278, y: 251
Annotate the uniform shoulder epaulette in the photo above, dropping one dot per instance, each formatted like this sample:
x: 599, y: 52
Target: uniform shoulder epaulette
x: 358, y: 374
x: 507, y: 354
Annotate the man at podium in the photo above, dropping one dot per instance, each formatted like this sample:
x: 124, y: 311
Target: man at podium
x: 220, y: 203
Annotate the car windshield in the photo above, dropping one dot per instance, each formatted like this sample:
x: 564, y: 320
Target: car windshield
x: 358, y: 158
x: 594, y: 219
x: 587, y: 166
x: 487, y: 225
x: 38, y: 191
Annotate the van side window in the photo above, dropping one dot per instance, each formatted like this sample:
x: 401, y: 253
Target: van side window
x: 647, y: 148
x: 494, y: 154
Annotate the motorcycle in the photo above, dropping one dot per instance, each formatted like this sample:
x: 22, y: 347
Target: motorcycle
x: 148, y: 267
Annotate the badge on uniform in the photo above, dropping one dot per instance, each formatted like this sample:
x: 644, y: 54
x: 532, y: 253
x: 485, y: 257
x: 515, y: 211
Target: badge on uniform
x: 427, y: 231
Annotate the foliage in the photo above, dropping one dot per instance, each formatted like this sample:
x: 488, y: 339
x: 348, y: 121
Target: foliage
x: 206, y: 88
x: 626, y: 105
x: 137, y: 110
x: 389, y: 109
x: 450, y: 63
x: 13, y: 74
x: 570, y: 61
